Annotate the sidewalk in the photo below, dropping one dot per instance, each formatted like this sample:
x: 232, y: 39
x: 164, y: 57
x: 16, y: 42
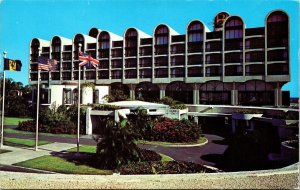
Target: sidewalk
x: 20, y: 154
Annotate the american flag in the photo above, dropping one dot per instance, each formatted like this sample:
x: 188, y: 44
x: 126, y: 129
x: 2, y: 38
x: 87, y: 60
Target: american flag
x: 85, y: 58
x: 46, y: 64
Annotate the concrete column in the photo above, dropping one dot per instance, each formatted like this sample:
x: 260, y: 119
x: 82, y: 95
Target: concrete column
x: 162, y: 93
x: 234, y: 97
x: 195, y: 96
x: 278, y: 97
x: 132, y: 91
x: 162, y: 90
x: 233, y: 125
x: 132, y: 94
x: 196, y: 119
x: 88, y: 124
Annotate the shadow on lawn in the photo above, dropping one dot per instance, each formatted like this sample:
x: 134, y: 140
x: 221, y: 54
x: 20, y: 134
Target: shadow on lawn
x: 88, y: 159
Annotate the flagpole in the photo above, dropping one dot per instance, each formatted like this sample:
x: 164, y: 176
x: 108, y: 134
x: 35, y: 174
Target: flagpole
x: 78, y: 101
x: 37, y: 109
x: 3, y: 101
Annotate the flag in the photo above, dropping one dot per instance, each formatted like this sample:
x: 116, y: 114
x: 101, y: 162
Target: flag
x: 46, y: 64
x: 12, y: 65
x: 85, y: 58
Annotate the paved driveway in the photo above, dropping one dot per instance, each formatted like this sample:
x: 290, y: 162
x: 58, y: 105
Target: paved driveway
x: 193, y: 154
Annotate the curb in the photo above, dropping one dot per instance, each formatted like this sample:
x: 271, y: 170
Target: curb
x: 176, y: 145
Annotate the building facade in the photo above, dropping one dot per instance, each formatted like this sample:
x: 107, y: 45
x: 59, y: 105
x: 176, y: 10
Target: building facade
x: 231, y: 65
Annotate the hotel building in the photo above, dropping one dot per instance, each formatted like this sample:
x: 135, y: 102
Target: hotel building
x: 231, y: 65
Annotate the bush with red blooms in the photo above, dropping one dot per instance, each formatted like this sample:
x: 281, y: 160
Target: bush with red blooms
x: 173, y: 130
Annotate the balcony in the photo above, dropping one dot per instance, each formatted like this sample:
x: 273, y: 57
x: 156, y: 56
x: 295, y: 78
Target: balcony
x: 275, y: 42
x: 195, y: 47
x: 146, y: 73
x: 177, y: 63
x: 130, y: 64
x: 146, y: 41
x: 178, y: 38
x: 161, y: 49
x: 195, y: 72
x: 103, y: 53
x: 213, y: 35
x: 90, y: 75
x: 117, y: 43
x: 255, y: 31
x: 103, y: 75
x: 103, y: 65
x: 66, y: 76
x: 55, y: 76
x: 130, y: 51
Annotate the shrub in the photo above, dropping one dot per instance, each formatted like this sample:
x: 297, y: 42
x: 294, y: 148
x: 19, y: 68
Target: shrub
x: 174, y: 104
x: 149, y: 155
x: 105, y: 107
x: 62, y: 120
x: 117, y: 147
x: 172, y: 130
x: 116, y: 95
x: 156, y: 167
x: 141, y: 123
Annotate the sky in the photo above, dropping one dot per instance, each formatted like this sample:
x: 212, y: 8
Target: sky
x: 22, y: 20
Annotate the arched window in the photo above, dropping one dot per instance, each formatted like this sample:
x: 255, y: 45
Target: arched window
x: 147, y: 91
x: 234, y: 29
x: 56, y: 43
x: 180, y: 91
x: 104, y: 41
x: 162, y: 35
x: 131, y: 41
x: 195, y: 32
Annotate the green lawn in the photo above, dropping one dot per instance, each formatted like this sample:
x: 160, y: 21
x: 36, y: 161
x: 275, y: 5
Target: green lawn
x: 86, y: 149
x: 4, y: 151
x: 22, y: 142
x: 10, y: 130
x: 56, y: 164
x: 200, y: 141
x: 61, y: 165
x: 165, y: 158
x: 14, y: 120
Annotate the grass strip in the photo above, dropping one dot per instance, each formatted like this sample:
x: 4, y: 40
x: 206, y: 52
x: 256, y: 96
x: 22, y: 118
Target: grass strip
x: 60, y: 165
x: 201, y: 140
x: 14, y: 120
x: 165, y: 158
x: 22, y: 142
x: 84, y: 149
x: 15, y: 131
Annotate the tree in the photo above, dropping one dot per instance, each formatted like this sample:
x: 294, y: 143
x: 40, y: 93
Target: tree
x: 117, y: 146
x: 17, y: 98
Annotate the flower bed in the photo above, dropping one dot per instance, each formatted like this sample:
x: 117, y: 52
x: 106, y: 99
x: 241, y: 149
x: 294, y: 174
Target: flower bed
x: 172, y: 130
x: 156, y: 167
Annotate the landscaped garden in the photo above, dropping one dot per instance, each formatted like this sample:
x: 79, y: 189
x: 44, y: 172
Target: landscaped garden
x: 117, y: 149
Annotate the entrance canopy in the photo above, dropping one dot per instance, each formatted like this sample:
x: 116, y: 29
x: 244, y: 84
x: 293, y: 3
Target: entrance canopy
x: 138, y: 104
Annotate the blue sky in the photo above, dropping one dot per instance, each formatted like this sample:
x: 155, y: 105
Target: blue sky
x: 20, y: 21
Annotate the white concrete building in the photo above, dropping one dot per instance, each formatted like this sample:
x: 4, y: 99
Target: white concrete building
x: 231, y: 65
